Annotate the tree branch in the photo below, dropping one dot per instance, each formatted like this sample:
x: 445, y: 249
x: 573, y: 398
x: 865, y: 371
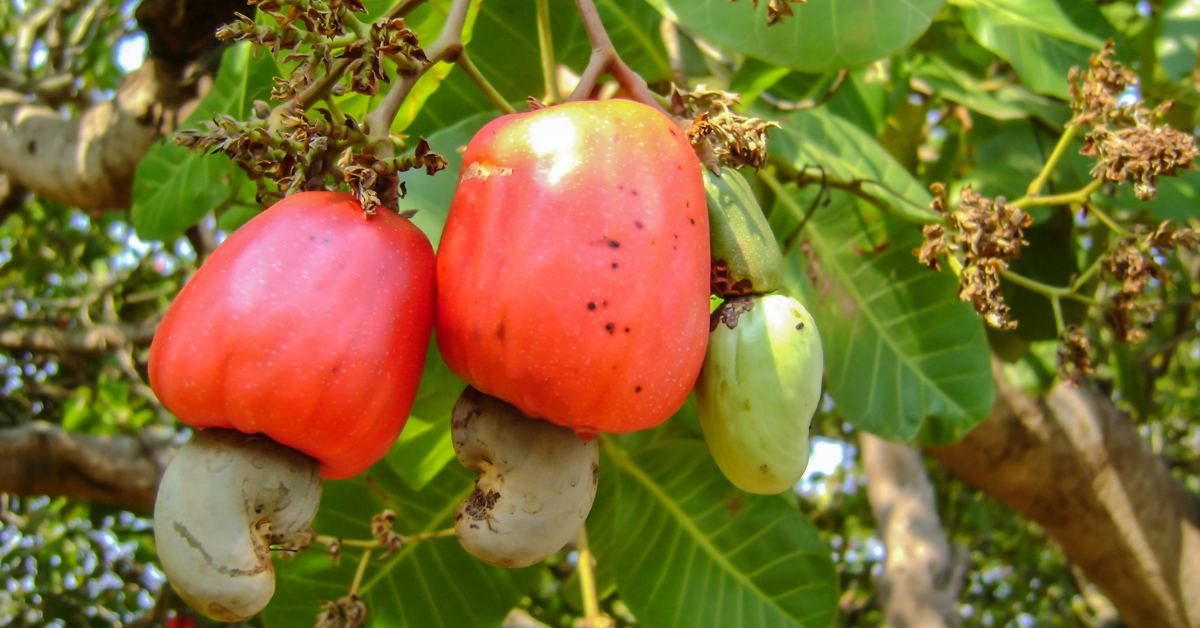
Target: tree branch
x: 96, y: 339
x: 1075, y: 465
x: 921, y: 579
x: 88, y: 160
x: 40, y: 458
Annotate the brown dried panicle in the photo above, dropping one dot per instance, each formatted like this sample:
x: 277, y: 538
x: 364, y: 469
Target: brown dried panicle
x: 1130, y: 143
x: 733, y: 139
x: 1166, y: 237
x: 333, y: 547
x: 986, y: 233
x: 348, y: 612
x: 1130, y: 311
x: 1141, y: 154
x: 381, y: 529
x: 1096, y: 93
x: 1074, y: 354
x: 301, y: 542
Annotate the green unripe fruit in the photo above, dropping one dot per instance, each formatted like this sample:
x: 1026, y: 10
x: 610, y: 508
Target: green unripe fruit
x: 745, y: 256
x: 758, y: 390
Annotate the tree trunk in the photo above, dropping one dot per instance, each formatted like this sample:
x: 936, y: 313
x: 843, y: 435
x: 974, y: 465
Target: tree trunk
x: 920, y: 580
x: 1075, y: 465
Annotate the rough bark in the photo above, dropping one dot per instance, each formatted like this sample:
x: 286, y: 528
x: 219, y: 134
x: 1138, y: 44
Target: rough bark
x: 96, y: 339
x: 1077, y: 466
x: 42, y: 459
x: 89, y: 160
x: 920, y: 579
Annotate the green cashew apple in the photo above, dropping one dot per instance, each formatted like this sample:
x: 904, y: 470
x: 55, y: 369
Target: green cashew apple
x: 758, y: 390
x: 745, y: 256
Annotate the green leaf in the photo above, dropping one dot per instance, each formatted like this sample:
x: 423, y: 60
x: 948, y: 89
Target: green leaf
x: 1007, y: 102
x: 1042, y: 39
x: 1178, y: 40
x: 174, y: 188
x: 424, y: 446
x: 899, y: 345
x: 427, y: 584
x: 822, y: 36
x: 505, y: 49
x: 691, y: 550
x: 816, y: 138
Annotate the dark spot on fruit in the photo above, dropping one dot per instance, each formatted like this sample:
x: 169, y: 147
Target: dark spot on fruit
x: 32, y: 148
x: 634, y: 192
x: 610, y: 327
x: 678, y: 167
x: 638, y: 389
x: 327, y: 239
x: 614, y: 265
x: 765, y: 469
x: 613, y: 244
x: 799, y: 325
x: 591, y: 306
x: 500, y: 331
x: 672, y: 131
x: 604, y: 303
x: 627, y: 330
x: 334, y: 369
x: 638, y: 224
x: 692, y: 220
x: 620, y: 187
x: 313, y: 238
x: 687, y: 203
x: 258, y: 509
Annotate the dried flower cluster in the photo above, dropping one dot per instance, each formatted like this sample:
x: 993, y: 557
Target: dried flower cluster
x: 1074, y: 355
x: 716, y: 129
x: 986, y: 234
x: 1130, y: 310
x: 381, y: 529
x: 348, y: 612
x: 1130, y: 143
x: 777, y: 10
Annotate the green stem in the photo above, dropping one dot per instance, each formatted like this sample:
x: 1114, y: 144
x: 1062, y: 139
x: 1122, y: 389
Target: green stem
x: 1106, y: 219
x: 402, y: 8
x: 362, y: 569
x: 1058, y: 315
x: 1050, y: 292
x: 1060, y: 149
x: 1087, y: 274
x: 546, y: 46
x: 1071, y: 198
x: 464, y: 62
x: 587, y: 581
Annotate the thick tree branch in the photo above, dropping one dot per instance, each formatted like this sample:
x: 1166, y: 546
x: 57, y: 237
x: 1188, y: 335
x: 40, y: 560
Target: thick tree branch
x: 89, y: 160
x: 97, y: 339
x: 1075, y: 465
x: 921, y: 579
x: 42, y: 459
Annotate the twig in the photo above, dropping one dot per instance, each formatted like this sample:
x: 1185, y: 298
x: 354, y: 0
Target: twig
x: 1060, y: 149
x: 493, y: 96
x: 811, y: 103
x: 1070, y: 198
x: 604, y: 60
x: 447, y: 47
x: 546, y: 47
x: 587, y: 582
x: 362, y: 569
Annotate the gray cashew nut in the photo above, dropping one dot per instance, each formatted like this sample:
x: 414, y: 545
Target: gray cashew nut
x: 224, y: 500
x: 536, y: 484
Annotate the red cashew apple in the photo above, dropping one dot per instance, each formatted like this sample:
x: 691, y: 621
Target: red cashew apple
x: 573, y: 270
x: 297, y: 349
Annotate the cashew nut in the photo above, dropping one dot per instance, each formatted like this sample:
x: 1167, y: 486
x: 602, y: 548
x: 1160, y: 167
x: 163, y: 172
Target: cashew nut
x: 535, y: 487
x: 224, y: 500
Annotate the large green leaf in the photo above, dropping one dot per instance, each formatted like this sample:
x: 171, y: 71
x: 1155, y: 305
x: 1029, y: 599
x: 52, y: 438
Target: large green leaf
x: 822, y: 36
x: 689, y: 549
x: 816, y: 138
x: 505, y: 48
x: 1178, y: 39
x: 173, y: 187
x: 425, y: 585
x: 1042, y: 39
x: 900, y: 347
x: 1005, y: 102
